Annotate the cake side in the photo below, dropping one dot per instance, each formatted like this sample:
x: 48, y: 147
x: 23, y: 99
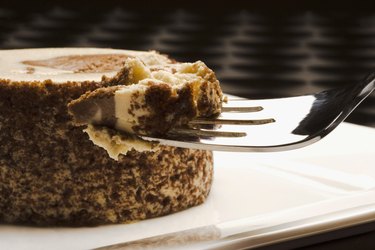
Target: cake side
x: 52, y: 174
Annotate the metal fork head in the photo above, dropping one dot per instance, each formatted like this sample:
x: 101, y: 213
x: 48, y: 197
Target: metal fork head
x: 281, y: 124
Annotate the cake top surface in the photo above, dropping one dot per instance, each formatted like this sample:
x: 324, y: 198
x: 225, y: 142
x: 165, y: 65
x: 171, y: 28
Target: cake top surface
x: 70, y: 64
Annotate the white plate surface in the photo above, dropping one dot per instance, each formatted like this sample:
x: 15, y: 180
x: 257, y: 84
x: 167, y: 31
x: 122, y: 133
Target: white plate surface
x: 260, y: 189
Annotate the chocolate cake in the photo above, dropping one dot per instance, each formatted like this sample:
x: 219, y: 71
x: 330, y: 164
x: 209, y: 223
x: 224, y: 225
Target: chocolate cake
x: 50, y: 171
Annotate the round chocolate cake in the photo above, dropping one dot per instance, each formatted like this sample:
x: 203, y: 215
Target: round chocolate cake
x: 51, y: 173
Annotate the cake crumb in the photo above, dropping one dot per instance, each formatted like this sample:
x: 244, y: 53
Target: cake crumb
x: 116, y: 143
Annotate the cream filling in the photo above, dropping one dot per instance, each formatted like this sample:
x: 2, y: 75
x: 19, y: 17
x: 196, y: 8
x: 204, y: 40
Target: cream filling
x: 130, y: 100
x: 125, y: 101
x: 117, y: 144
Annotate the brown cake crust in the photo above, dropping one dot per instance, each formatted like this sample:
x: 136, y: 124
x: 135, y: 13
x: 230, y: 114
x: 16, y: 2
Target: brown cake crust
x: 52, y: 174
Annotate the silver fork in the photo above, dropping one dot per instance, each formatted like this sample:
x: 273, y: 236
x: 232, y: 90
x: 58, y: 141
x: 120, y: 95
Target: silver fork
x: 271, y: 124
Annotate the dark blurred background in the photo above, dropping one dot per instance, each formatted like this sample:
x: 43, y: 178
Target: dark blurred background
x: 259, y: 49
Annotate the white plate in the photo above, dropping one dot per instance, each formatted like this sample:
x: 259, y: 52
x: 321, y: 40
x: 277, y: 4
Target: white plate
x: 274, y: 196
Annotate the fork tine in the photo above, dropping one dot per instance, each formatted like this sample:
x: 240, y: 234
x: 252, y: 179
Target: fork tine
x: 207, y: 121
x: 240, y: 105
x: 205, y: 133
x: 241, y: 109
x: 231, y: 107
